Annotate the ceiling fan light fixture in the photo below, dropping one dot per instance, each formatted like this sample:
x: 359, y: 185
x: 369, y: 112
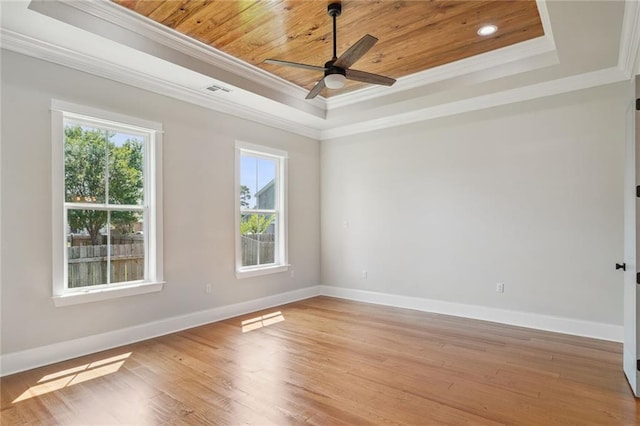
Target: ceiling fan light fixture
x: 334, y: 81
x: 487, y: 30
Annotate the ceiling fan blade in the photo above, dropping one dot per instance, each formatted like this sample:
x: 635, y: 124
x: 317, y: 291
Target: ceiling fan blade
x: 294, y: 64
x: 356, y: 51
x: 367, y: 77
x: 316, y: 89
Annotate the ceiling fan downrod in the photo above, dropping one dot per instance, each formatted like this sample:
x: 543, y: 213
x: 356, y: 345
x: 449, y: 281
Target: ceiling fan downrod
x: 334, y: 10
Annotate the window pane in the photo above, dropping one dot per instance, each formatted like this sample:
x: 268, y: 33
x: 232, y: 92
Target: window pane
x: 257, y: 182
x: 257, y: 239
x: 84, y: 164
x: 92, y: 259
x: 127, y: 247
x: 126, y: 169
x: 86, y: 248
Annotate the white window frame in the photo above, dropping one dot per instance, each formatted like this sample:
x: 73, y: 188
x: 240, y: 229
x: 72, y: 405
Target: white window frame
x: 152, y: 206
x: 281, y: 254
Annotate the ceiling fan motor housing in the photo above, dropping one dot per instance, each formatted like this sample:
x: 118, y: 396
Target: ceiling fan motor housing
x: 334, y: 9
x: 331, y: 69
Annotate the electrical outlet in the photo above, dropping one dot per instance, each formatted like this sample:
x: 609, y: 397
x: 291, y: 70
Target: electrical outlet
x: 345, y: 224
x: 364, y: 275
x: 500, y: 288
x: 207, y: 288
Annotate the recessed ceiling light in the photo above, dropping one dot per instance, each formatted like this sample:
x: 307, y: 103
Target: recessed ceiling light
x: 486, y: 30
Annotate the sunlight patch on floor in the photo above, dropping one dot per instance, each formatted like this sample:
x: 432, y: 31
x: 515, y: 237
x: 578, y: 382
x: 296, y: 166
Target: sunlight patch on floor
x: 261, y: 321
x: 73, y: 376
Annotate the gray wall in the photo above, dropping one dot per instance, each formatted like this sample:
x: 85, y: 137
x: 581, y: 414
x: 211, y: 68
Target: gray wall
x: 198, y: 206
x: 528, y: 194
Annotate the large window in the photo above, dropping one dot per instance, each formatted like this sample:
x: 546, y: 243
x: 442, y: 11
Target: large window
x: 261, y: 245
x: 106, y: 242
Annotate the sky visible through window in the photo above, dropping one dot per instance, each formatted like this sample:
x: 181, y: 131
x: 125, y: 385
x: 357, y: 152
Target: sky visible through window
x: 118, y: 138
x: 255, y: 173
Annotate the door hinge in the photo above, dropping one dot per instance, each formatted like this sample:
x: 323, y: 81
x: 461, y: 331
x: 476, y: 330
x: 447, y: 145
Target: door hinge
x: 638, y: 278
x: 638, y: 364
x: 638, y: 191
x: 638, y: 104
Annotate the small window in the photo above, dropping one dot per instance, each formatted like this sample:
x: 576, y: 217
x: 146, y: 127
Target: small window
x: 105, y: 190
x: 261, y: 243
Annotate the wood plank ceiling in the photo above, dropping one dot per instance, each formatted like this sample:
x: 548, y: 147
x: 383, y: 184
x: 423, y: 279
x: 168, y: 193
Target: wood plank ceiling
x: 413, y: 35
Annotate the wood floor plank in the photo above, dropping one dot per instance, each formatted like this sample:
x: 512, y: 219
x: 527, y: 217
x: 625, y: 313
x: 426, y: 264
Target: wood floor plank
x: 328, y: 361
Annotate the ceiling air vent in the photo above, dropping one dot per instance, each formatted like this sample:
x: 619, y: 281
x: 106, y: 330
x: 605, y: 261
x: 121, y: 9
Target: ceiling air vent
x: 215, y: 88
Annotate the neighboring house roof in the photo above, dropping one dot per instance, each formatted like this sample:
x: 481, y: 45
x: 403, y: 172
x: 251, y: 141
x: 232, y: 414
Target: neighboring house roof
x: 265, y: 188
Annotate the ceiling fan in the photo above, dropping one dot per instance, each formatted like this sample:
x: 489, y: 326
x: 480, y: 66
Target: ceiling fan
x: 337, y: 69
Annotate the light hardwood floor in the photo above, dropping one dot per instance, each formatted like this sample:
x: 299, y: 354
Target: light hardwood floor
x: 328, y: 361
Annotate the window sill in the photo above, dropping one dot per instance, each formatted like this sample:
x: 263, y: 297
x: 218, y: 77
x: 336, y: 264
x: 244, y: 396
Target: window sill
x: 106, y: 294
x: 248, y: 273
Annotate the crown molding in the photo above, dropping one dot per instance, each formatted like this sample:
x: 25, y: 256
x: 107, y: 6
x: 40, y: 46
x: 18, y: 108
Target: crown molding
x: 46, y: 51
x: 291, y: 94
x: 278, y: 113
x: 154, y: 31
x: 94, y: 65
x: 120, y: 25
x: 630, y: 37
x: 533, y: 91
x: 494, y: 60
x: 546, y: 21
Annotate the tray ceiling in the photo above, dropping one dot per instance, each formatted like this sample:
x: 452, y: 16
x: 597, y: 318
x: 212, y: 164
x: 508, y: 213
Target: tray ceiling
x: 104, y: 38
x: 413, y: 35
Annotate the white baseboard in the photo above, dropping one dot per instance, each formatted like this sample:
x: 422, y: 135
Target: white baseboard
x: 32, y: 358
x: 522, y: 319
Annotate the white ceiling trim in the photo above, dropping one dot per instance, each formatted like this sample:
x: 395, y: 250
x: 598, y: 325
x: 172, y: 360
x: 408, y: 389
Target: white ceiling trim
x: 496, y: 59
x: 48, y: 52
x: 278, y: 113
x: 94, y: 65
x: 546, y: 21
x: 630, y: 37
x: 534, y: 91
x: 143, y: 35
x: 125, y: 18
x: 292, y: 94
